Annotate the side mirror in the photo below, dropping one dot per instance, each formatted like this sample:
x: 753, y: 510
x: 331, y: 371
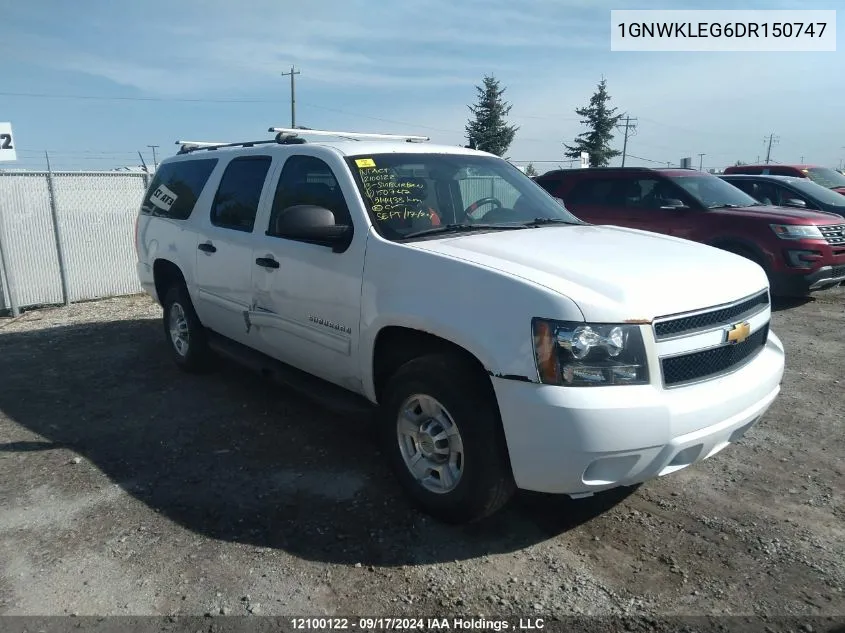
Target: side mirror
x: 560, y: 202
x: 795, y: 202
x: 673, y: 204
x: 312, y: 224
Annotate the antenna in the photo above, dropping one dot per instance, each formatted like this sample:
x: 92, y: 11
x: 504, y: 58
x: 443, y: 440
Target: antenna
x: 287, y: 131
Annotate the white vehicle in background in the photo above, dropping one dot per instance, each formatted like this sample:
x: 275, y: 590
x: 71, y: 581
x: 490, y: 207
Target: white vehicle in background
x: 505, y: 343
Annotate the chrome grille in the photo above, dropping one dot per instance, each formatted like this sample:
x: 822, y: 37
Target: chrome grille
x: 834, y: 234
x: 682, y: 325
x: 710, y: 363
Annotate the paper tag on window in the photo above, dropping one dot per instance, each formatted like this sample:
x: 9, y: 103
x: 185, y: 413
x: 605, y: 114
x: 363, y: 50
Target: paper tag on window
x: 365, y: 162
x: 163, y: 198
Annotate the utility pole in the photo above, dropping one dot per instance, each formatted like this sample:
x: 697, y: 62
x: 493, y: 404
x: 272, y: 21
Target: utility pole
x: 629, y: 124
x: 155, y: 162
x: 293, y: 73
x: 771, y: 139
x: 701, y: 161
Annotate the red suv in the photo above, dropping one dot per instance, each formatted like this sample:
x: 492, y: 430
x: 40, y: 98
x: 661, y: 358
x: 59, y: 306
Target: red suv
x: 800, y: 250
x: 829, y: 178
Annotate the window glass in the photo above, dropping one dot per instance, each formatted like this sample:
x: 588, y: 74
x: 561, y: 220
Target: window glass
x: 309, y: 180
x: 818, y: 192
x: 712, y: 192
x: 236, y: 202
x: 825, y: 177
x: 405, y: 193
x: 594, y: 192
x: 176, y: 187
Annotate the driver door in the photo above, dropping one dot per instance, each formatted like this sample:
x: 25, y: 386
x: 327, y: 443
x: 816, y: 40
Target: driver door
x: 649, y: 206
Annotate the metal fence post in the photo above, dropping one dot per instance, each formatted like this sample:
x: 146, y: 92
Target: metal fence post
x: 57, y: 232
x: 4, y: 277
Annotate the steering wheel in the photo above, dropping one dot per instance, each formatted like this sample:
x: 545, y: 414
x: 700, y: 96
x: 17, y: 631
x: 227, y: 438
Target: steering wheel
x: 480, y: 203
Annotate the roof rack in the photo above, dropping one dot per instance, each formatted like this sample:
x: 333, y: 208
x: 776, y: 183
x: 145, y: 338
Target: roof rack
x: 285, y: 132
x: 192, y: 146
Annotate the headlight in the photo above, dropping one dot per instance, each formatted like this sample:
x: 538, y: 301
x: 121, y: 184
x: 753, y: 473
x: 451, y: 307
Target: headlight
x: 583, y: 354
x: 797, y: 231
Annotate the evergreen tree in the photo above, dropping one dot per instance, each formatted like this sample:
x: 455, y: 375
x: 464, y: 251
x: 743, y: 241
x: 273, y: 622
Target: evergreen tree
x: 488, y: 130
x: 530, y: 170
x: 600, y: 120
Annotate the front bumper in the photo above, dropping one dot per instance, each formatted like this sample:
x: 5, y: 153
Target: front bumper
x: 580, y: 440
x: 798, y: 283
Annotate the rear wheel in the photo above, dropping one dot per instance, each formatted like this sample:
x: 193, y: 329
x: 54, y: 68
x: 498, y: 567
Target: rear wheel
x: 441, y: 431
x: 183, y: 331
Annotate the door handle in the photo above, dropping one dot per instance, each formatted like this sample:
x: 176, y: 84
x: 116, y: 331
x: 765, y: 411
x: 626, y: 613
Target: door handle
x: 267, y: 262
x: 207, y: 247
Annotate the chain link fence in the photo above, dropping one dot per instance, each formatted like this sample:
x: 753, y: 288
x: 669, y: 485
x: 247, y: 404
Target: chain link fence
x: 67, y: 236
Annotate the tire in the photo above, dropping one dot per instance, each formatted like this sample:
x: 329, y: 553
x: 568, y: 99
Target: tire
x: 190, y: 351
x: 478, y: 466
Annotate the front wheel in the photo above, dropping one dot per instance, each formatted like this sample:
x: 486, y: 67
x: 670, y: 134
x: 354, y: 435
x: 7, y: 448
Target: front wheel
x: 440, y: 428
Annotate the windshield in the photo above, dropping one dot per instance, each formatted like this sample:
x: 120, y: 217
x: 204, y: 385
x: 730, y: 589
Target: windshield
x: 714, y: 192
x: 411, y: 193
x: 818, y: 192
x: 825, y: 177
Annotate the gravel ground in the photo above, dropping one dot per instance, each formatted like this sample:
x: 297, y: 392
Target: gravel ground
x: 130, y: 488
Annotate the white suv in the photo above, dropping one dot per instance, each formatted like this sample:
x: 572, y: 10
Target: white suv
x: 506, y: 343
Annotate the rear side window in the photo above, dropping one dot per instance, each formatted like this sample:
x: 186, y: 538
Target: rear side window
x: 176, y: 188
x: 236, y: 202
x: 610, y: 192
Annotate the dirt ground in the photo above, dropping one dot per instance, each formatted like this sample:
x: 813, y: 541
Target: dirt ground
x: 131, y: 488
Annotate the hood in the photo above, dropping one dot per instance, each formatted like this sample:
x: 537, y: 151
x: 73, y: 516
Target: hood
x: 614, y: 274
x: 790, y: 215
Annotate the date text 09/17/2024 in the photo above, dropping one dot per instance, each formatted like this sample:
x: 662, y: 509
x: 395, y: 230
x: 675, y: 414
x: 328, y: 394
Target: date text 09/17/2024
x: 411, y: 624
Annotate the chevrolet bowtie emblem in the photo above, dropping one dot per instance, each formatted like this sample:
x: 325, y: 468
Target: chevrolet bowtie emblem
x: 738, y: 332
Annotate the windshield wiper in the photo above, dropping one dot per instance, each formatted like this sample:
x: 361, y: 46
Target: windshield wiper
x: 463, y: 228
x: 728, y: 205
x: 546, y: 221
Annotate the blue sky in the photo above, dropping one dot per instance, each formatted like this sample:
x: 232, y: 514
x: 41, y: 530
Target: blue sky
x: 160, y: 71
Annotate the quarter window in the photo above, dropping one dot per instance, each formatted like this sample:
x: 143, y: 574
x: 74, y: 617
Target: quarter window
x: 236, y: 202
x: 176, y: 188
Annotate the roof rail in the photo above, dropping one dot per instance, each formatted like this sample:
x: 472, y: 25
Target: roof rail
x: 294, y: 132
x: 192, y: 146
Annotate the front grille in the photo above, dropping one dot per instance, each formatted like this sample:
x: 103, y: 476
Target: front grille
x: 696, y: 366
x: 834, y: 234
x: 837, y: 271
x: 711, y: 319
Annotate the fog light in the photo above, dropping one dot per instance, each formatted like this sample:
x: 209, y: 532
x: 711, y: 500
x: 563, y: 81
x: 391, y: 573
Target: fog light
x: 802, y: 259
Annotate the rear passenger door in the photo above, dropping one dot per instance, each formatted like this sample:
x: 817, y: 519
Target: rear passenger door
x: 307, y: 297
x: 224, y: 260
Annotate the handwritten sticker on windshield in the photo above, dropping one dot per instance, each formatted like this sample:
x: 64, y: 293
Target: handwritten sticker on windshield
x: 389, y: 193
x: 365, y: 162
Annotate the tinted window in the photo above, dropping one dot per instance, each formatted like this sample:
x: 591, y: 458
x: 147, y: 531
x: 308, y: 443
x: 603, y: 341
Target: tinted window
x: 236, y: 202
x: 818, y: 192
x: 176, y: 187
x: 593, y: 192
x: 309, y: 180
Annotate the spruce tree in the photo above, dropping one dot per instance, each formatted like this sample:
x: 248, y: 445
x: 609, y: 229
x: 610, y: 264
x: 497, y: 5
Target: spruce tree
x: 488, y: 130
x: 600, y: 120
